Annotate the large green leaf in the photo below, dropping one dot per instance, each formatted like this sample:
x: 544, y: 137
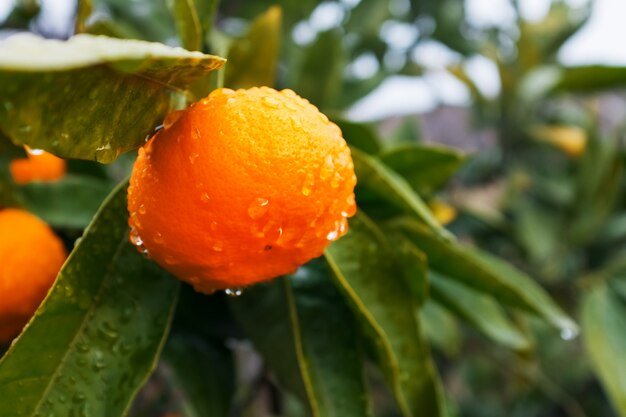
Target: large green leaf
x: 426, y: 168
x: 131, y: 16
x: 96, y: 337
x: 480, y: 310
x: 320, y: 75
x: 202, y: 375
x: 590, y: 78
x: 253, y: 59
x: 91, y: 97
x: 376, y: 177
x: 306, y: 333
x: 187, y: 23
x: 366, y: 270
x: 604, y: 324
x: 488, y: 274
x: 70, y: 202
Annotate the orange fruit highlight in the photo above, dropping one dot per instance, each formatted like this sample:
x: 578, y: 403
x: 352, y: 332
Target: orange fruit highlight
x: 31, y: 256
x: 37, y: 166
x: 241, y: 187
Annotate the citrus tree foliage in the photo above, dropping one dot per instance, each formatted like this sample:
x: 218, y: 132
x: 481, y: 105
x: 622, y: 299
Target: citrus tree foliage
x: 365, y: 315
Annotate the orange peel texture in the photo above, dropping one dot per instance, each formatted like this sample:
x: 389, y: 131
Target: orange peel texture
x: 241, y: 187
x: 31, y: 256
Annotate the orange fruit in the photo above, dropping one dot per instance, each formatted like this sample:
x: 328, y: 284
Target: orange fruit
x: 31, y: 256
x: 241, y: 187
x: 37, y: 166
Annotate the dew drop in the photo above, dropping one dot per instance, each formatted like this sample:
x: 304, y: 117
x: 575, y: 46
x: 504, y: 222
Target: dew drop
x: 234, y: 292
x: 336, y: 181
x: 343, y: 227
x: 104, y: 154
x: 195, y: 134
x: 351, y: 209
x: 256, y: 230
x: 327, y: 168
x: 205, y: 198
x: 158, y: 238
x: 193, y: 157
x: 309, y: 183
x: 218, y: 247
x: 295, y: 123
x: 142, y: 209
x: 569, y: 333
x: 332, y: 235
x: 270, y: 102
x: 171, y: 118
x: 135, y: 238
x: 213, y: 226
x: 258, y: 208
x: 36, y: 151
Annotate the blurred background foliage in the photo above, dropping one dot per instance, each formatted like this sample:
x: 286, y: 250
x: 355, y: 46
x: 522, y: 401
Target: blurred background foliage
x: 534, y: 175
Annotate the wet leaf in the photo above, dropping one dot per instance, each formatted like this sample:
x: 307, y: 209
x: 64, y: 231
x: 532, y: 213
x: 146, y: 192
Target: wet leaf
x: 486, y: 273
x: 91, y: 97
x: 97, y: 336
x: 374, y: 176
x: 480, y: 310
x: 306, y: 333
x: 603, y: 322
x: 187, y: 23
x: 366, y: 270
x: 253, y: 59
x: 425, y: 168
x: 202, y: 374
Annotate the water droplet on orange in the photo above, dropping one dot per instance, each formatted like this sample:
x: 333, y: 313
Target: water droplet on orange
x: 158, y: 238
x: 271, y: 102
x: 172, y: 118
x: 328, y: 167
x: 258, y: 208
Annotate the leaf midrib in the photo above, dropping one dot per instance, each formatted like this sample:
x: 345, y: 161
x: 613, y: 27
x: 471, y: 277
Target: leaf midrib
x: 97, y: 300
x: 378, y: 329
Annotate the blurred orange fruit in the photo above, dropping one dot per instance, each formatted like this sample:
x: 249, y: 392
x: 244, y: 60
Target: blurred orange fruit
x: 31, y: 256
x: 37, y: 166
x: 241, y: 187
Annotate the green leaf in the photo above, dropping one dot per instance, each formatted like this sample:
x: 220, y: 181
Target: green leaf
x: 376, y: 177
x: 366, y: 270
x: 91, y: 97
x: 359, y: 135
x: 480, y: 310
x: 590, y: 78
x: 253, y: 59
x: 98, y: 334
x: 488, y: 274
x: 441, y: 328
x: 70, y: 202
x: 202, y: 375
x: 159, y: 27
x: 306, y: 333
x: 320, y: 73
x: 603, y: 322
x: 425, y: 168
x: 8, y: 150
x: 187, y: 23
